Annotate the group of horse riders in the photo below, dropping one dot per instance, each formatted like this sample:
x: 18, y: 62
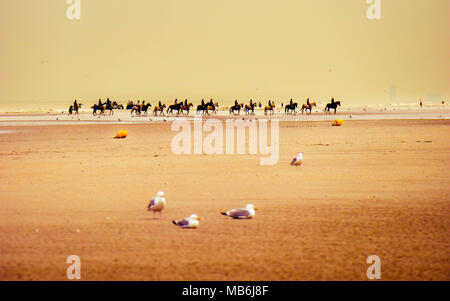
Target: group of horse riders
x: 204, y: 108
x: 291, y: 107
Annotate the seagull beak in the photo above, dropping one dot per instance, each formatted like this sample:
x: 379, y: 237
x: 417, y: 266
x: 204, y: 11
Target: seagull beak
x: 256, y: 208
x: 198, y: 218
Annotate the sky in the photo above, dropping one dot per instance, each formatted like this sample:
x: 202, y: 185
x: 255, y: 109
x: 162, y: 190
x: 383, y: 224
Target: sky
x: 224, y: 49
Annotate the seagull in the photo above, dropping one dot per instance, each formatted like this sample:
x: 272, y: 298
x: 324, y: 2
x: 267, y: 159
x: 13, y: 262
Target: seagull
x: 190, y: 222
x: 247, y: 212
x: 157, y: 204
x: 297, y: 161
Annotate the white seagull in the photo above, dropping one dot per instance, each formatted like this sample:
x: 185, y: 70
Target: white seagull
x: 190, y: 222
x: 297, y: 161
x: 157, y: 204
x: 247, y: 212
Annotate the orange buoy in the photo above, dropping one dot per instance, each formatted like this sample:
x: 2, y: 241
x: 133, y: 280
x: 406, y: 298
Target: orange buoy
x: 121, y: 135
x: 337, y: 122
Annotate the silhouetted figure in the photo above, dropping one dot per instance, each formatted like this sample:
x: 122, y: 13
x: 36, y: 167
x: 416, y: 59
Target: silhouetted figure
x: 290, y: 102
x: 203, y: 102
x: 185, y: 103
x: 100, y: 102
x: 332, y: 100
x: 235, y: 102
x: 160, y: 104
x: 421, y: 103
x: 176, y: 101
x: 307, y: 102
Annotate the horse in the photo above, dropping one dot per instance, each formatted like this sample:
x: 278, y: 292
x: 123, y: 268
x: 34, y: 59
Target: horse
x: 332, y: 105
x: 237, y: 108
x: 117, y: 106
x: 141, y: 108
x: 96, y: 108
x: 269, y: 109
x: 308, y: 107
x: 108, y: 106
x: 201, y: 108
x: 173, y: 107
x: 249, y: 108
x: 211, y: 106
x: 159, y: 109
x: 290, y: 109
x: 74, y: 108
x: 186, y: 108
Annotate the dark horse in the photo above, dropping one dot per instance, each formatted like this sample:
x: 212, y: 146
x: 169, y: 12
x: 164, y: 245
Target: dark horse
x: 290, y: 109
x: 201, y: 108
x: 176, y: 107
x: 96, y: 108
x: 332, y: 105
x: 74, y: 108
x: 237, y: 108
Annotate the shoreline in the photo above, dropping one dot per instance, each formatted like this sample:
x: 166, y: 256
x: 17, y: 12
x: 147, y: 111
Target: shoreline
x: 124, y: 117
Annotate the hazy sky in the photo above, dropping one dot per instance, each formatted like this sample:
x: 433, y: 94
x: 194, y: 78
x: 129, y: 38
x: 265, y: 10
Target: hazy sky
x: 226, y: 49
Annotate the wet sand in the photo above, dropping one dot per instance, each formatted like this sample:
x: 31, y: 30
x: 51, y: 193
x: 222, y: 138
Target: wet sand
x: 374, y: 187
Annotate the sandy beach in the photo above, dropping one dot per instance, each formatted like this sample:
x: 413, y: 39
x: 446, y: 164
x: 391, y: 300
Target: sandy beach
x: 375, y: 186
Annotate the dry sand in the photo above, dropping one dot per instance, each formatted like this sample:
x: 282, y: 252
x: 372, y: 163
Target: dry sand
x: 369, y: 187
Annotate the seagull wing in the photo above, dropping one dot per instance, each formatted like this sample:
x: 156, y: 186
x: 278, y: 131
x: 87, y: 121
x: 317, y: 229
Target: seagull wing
x: 294, y: 160
x: 182, y: 222
x: 238, y: 213
x: 152, y: 203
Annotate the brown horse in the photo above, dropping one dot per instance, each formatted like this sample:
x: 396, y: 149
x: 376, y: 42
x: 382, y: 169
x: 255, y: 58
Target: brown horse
x: 159, y: 109
x: 269, y: 108
x: 186, y: 108
x: 308, y: 107
x: 212, y: 107
x: 138, y: 109
x: 250, y: 109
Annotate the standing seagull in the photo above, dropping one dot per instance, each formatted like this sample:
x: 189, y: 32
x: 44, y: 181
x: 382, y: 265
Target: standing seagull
x: 297, y: 161
x: 190, y: 222
x: 157, y: 204
x: 247, y: 212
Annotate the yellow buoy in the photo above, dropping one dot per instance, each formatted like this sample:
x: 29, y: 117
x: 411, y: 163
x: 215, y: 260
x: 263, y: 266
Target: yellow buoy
x: 337, y: 122
x: 121, y: 134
